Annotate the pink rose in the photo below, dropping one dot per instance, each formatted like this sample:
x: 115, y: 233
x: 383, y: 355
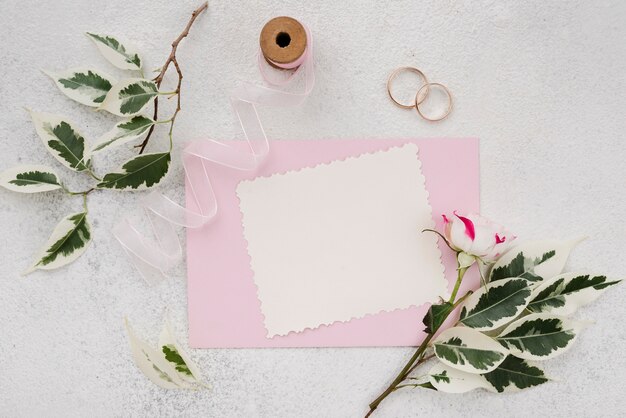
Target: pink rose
x: 475, y: 237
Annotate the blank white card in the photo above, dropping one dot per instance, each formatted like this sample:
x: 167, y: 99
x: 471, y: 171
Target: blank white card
x: 341, y: 240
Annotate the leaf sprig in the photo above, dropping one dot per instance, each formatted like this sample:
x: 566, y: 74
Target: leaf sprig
x: 127, y: 98
x: 519, y: 317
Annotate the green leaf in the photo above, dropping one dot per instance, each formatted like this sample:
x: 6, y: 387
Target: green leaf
x: 539, y: 336
x: 496, y: 304
x: 123, y: 132
x: 118, y: 54
x: 533, y: 261
x: 468, y: 350
x: 436, y: 316
x: 450, y: 380
x: 129, y: 97
x: 515, y: 374
x: 30, y: 179
x: 68, y: 241
x: 141, y: 172
x: 88, y: 87
x: 63, y: 141
x: 564, y: 294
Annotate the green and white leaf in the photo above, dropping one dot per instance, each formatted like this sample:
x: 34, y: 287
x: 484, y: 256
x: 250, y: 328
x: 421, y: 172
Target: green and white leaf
x: 68, y: 241
x: 540, y: 336
x: 153, y: 364
x: 450, y: 380
x: 496, y: 304
x: 123, y: 132
x: 513, y: 375
x: 120, y: 55
x: 564, y: 294
x: 129, y: 97
x: 63, y: 141
x: 468, y: 350
x: 179, y: 359
x: 138, y: 173
x: 533, y: 261
x: 30, y: 179
x: 86, y: 86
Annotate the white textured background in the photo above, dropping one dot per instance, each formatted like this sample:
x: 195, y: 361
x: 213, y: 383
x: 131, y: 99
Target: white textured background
x: 541, y: 83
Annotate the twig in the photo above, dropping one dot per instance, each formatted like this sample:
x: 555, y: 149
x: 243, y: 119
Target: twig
x: 171, y: 59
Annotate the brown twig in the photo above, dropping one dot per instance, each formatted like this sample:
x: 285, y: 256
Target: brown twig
x: 171, y: 59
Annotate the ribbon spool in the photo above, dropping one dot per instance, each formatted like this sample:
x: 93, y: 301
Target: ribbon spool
x: 283, y: 42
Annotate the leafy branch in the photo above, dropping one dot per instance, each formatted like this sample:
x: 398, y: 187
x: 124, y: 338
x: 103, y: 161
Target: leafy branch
x: 127, y: 98
x: 171, y: 59
x: 519, y: 317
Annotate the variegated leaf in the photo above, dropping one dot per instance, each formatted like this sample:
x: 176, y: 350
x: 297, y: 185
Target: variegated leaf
x: 539, y: 336
x: 123, y: 132
x: 121, y: 55
x: 514, y: 374
x: 496, y: 304
x: 138, y: 173
x: 68, y: 241
x: 450, y: 380
x: 129, y: 97
x: 564, y: 294
x: 468, y: 350
x: 86, y: 86
x: 63, y: 141
x: 174, y: 354
x: 153, y: 364
x: 533, y: 261
x: 30, y: 179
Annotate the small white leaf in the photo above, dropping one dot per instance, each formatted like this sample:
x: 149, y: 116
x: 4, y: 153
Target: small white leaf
x: 178, y: 358
x: 67, y: 242
x: 468, y: 350
x: 123, y: 132
x: 62, y: 140
x: 86, y: 86
x: 30, y: 179
x: 153, y: 364
x: 121, y: 55
x: 129, y: 97
x: 450, y: 380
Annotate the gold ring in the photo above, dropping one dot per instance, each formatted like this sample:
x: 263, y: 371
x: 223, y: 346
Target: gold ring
x: 394, y: 75
x: 418, y: 102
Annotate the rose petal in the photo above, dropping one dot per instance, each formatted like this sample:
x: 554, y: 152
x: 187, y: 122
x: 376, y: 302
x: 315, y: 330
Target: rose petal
x: 469, y: 226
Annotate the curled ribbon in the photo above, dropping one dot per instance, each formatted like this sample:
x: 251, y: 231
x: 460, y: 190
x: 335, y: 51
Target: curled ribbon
x: 154, y: 259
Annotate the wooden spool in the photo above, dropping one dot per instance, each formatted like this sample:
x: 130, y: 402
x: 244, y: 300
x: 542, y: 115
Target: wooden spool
x: 283, y: 41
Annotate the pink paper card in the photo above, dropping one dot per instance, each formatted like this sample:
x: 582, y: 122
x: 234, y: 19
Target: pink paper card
x: 224, y: 307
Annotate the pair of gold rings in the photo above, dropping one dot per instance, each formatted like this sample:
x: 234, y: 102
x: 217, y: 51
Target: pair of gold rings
x: 421, y: 95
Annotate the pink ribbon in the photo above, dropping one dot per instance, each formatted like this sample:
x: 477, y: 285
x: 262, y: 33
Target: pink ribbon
x: 154, y: 259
